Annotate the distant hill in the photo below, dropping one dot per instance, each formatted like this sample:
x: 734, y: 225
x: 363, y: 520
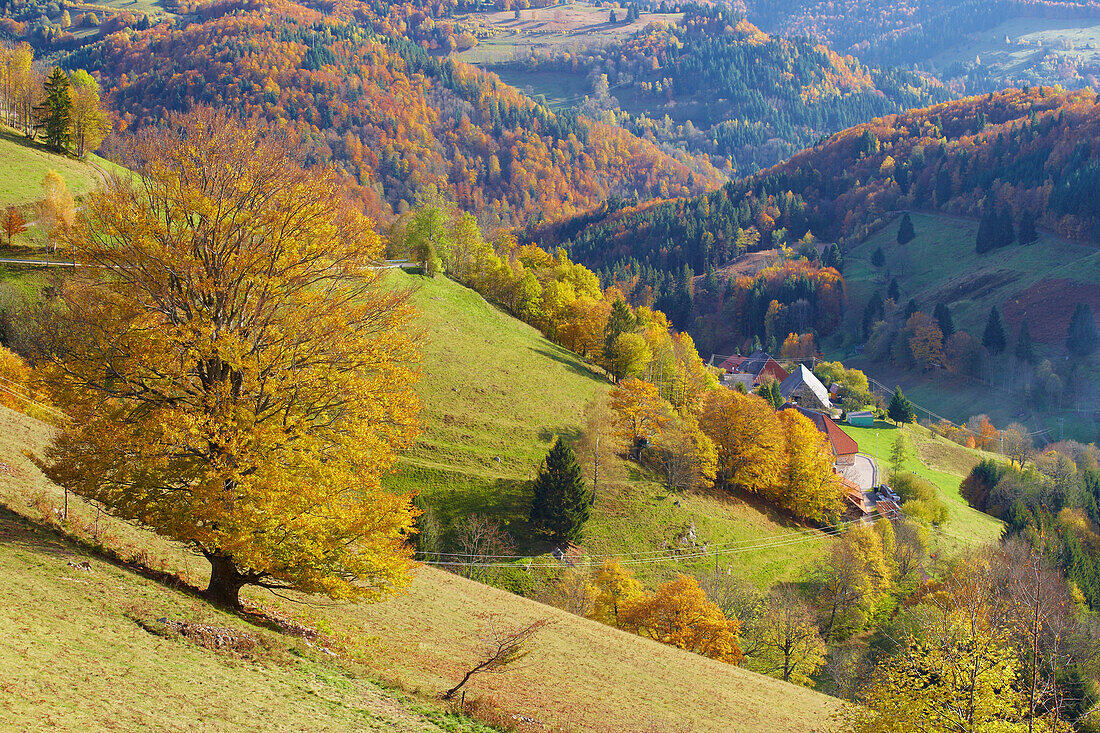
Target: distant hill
x: 975, y: 45
x: 713, y: 83
x: 351, y: 90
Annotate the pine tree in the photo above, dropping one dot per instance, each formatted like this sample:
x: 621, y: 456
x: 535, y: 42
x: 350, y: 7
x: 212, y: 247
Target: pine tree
x: 1028, y: 233
x: 945, y: 321
x: 900, y: 409
x: 874, y: 311
x: 878, y: 259
x: 994, y: 337
x: 561, y: 502
x: 1081, y: 339
x: 1025, y: 350
x: 55, y: 112
x: 910, y: 308
x: 905, y: 229
x: 984, y: 240
x: 893, y: 292
x: 770, y: 391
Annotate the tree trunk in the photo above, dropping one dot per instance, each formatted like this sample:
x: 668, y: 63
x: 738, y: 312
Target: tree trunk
x: 225, y: 581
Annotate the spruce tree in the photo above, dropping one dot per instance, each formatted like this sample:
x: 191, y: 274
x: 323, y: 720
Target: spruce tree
x: 893, y: 292
x: 900, y: 409
x: 1028, y: 233
x: 770, y: 391
x: 945, y: 321
x: 905, y: 229
x: 983, y: 242
x: 55, y: 112
x: 1081, y: 339
x: 878, y: 259
x: 1025, y: 350
x: 994, y: 337
x: 562, y: 501
x: 910, y: 308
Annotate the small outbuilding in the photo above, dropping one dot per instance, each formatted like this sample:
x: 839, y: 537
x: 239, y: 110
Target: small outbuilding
x: 864, y: 419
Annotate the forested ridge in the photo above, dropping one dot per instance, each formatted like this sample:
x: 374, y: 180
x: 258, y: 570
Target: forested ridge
x: 889, y: 32
x: 751, y: 99
x: 1033, y: 150
x: 396, y: 119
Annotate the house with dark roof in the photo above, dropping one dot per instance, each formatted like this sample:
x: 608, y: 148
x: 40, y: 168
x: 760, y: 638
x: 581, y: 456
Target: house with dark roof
x: 759, y: 366
x: 844, y: 446
x: 803, y: 389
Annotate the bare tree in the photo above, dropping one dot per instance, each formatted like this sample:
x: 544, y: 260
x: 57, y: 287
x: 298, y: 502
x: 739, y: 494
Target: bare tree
x: 1017, y: 443
x: 1040, y: 613
x: 910, y: 546
x: 735, y: 596
x: 483, y: 546
x: 499, y: 647
x: 595, y: 449
x: 785, y: 639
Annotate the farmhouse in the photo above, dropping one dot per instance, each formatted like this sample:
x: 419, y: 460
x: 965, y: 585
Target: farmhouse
x: 752, y: 370
x: 803, y: 389
x: 844, y: 446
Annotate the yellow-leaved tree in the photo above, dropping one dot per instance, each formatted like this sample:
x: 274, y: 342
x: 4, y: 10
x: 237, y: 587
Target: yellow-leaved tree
x: 238, y: 378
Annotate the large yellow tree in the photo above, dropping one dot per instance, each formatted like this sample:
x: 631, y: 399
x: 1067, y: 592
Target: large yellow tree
x: 238, y: 378
x: 750, y: 443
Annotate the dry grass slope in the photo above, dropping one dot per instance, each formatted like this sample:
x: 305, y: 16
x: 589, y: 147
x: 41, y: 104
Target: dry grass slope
x: 74, y: 655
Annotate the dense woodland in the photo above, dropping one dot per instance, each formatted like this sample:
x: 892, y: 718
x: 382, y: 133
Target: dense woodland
x: 396, y: 119
x: 1029, y: 155
x: 910, y: 33
x: 714, y: 83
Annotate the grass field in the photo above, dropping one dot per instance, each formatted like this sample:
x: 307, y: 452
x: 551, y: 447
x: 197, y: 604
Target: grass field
x: 1043, y: 282
x: 495, y: 388
x: 945, y: 464
x: 552, y: 29
x: 24, y: 164
x: 75, y: 652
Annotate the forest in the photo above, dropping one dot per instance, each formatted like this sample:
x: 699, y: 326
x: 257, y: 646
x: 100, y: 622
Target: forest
x: 1029, y: 155
x: 716, y: 84
x: 396, y: 120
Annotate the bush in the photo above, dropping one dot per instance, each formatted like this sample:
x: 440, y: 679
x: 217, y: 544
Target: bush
x: 920, y: 498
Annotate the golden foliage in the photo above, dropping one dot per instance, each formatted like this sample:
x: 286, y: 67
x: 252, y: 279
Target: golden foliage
x: 680, y: 614
x: 239, y: 380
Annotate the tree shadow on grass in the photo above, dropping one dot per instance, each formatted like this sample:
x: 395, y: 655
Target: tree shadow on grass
x: 575, y: 365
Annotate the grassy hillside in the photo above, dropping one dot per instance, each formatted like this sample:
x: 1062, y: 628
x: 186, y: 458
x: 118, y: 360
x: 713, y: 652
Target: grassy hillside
x: 940, y: 265
x: 103, y: 622
x: 1043, y: 281
x: 24, y: 164
x: 494, y: 388
x: 81, y: 648
x: 942, y: 462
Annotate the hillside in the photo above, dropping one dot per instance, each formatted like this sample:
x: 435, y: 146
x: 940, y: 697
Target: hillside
x: 976, y: 46
x: 350, y: 87
x: 56, y: 612
x: 23, y: 165
x: 1042, y: 282
x: 493, y: 388
x: 711, y: 83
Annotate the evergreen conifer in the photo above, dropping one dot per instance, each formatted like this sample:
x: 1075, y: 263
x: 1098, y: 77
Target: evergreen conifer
x: 561, y: 502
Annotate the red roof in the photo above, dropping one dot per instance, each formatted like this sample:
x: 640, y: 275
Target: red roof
x: 772, y: 367
x: 842, y: 443
x: 731, y: 363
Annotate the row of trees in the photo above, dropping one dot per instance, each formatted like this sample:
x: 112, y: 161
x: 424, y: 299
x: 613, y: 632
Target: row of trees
x: 562, y: 299
x: 64, y: 109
